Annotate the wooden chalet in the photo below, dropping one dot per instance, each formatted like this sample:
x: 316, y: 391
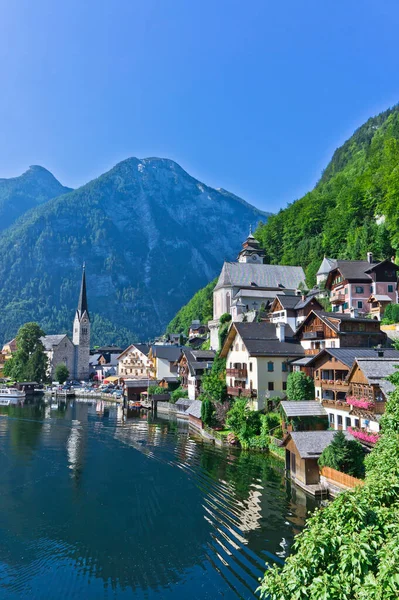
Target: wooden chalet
x: 322, y: 330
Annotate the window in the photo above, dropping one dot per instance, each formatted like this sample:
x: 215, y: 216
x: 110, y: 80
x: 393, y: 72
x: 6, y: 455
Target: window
x: 270, y: 386
x: 359, y: 290
x: 242, y: 347
x: 357, y: 423
x: 331, y: 418
x: 284, y: 385
x: 347, y: 422
x: 339, y: 419
x: 360, y: 304
x: 284, y: 367
x: 250, y: 367
x: 345, y: 291
x: 270, y: 366
x: 237, y: 347
x: 390, y: 289
x: 231, y: 365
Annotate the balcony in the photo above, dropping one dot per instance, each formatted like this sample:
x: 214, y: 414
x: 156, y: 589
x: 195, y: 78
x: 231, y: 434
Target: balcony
x: 241, y: 392
x: 337, y: 404
x: 338, y: 299
x: 338, y: 385
x: 237, y: 373
x: 313, y: 335
x: 312, y: 351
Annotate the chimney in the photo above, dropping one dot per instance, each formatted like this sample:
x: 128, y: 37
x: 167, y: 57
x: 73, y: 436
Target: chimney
x: 369, y: 257
x: 303, y: 297
x: 354, y: 312
x: 280, y: 332
x: 380, y: 351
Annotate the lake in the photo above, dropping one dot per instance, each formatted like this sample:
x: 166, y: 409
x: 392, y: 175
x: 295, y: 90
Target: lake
x: 95, y: 507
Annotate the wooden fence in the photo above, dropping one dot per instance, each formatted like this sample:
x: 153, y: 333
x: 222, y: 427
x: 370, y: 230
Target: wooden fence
x: 341, y: 478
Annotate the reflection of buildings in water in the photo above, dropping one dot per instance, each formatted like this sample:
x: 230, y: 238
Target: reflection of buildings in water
x: 73, y: 449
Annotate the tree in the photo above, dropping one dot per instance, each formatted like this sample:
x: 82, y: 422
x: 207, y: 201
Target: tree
x: 300, y: 386
x: 245, y: 423
x: 29, y: 363
x: 349, y: 549
x: 207, y: 411
x: 61, y: 373
x: 344, y: 455
x: 177, y: 394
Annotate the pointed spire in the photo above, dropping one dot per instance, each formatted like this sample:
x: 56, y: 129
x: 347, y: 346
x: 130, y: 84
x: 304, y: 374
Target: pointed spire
x: 250, y: 229
x: 82, y: 304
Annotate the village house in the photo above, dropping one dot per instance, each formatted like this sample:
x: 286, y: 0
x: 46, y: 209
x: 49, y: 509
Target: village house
x: 369, y: 389
x: 196, y: 329
x: 292, y: 310
x: 164, y: 362
x: 326, y: 266
x: 134, y: 362
x: 302, y: 452
x: 103, y: 365
x: 258, y: 359
x: 364, y: 285
x: 249, y: 285
x: 194, y: 414
x: 322, y: 330
x: 304, y: 415
x: 191, y: 367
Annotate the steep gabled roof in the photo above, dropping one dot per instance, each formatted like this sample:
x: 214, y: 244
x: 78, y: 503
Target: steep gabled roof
x: 49, y: 341
x: 326, y: 266
x: 144, y: 348
x: 348, y: 355
x: 376, y: 371
x: 263, y: 276
x: 261, y: 339
x: 310, y: 444
x: 332, y: 320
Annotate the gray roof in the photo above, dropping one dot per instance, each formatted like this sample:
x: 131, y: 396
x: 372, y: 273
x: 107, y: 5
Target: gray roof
x: 377, y: 369
x: 358, y: 270
x: 381, y: 297
x: 144, y: 348
x: 303, y: 408
x: 348, y: 355
x: 184, y: 402
x: 264, y: 276
x: 302, y: 362
x: 330, y: 319
x: 295, y: 302
x: 255, y: 293
x: 194, y: 409
x: 260, y: 339
x: 326, y: 266
x: 49, y: 341
x: 310, y: 444
x: 207, y: 354
x: 170, y: 353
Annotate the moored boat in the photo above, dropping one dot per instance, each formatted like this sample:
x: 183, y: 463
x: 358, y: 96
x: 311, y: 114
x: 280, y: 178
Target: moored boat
x: 10, y: 395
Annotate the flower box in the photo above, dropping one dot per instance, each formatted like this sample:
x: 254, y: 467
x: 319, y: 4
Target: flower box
x: 362, y: 403
x: 364, y: 436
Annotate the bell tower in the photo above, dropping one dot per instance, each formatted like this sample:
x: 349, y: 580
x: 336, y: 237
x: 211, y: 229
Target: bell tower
x: 251, y: 251
x: 81, y: 333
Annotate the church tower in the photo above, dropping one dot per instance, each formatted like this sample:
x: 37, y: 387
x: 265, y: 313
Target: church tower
x: 251, y: 251
x: 81, y: 333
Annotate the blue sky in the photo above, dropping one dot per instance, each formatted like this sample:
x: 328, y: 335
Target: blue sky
x: 251, y: 96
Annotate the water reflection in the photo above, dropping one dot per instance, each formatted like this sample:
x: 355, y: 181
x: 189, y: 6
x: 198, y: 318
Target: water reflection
x: 140, y: 507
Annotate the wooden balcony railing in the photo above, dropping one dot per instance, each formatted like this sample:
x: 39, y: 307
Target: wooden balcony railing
x: 313, y: 335
x: 338, y: 299
x: 237, y: 373
x: 239, y: 391
x: 338, y: 404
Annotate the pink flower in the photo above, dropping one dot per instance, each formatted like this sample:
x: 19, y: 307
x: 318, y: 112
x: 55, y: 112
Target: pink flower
x: 365, y: 436
x: 362, y: 403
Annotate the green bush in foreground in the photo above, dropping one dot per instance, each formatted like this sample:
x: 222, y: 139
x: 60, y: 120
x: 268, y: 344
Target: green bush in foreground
x: 349, y: 550
x: 344, y: 455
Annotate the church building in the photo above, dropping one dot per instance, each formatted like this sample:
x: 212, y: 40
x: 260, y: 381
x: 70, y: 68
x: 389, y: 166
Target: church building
x: 74, y: 354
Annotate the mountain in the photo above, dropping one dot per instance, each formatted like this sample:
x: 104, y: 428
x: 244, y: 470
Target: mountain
x: 19, y: 194
x: 353, y: 209
x: 150, y: 235
x: 199, y: 307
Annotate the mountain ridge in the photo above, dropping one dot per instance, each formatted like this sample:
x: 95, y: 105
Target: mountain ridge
x: 150, y: 234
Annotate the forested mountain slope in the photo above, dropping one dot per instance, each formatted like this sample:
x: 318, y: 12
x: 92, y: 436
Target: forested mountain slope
x: 20, y: 194
x: 150, y: 235
x: 353, y: 209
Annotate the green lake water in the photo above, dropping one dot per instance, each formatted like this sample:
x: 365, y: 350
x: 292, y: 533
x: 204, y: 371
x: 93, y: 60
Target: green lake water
x: 95, y: 507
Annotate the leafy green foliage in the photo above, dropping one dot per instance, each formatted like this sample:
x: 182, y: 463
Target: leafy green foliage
x: 349, y: 549
x: 178, y: 393
x: 245, y: 423
x: 225, y: 318
x: 199, y: 307
x: 391, y: 314
x: 207, y: 411
x: 29, y: 362
x: 344, y: 455
x: 300, y: 386
x: 339, y: 217
x: 153, y: 390
x: 61, y: 373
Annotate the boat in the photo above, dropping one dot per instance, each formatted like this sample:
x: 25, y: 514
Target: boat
x: 10, y: 396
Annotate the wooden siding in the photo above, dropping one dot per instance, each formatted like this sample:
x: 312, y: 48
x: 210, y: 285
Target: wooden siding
x: 341, y: 478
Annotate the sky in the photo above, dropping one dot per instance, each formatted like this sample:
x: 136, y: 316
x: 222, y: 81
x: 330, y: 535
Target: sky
x: 250, y: 96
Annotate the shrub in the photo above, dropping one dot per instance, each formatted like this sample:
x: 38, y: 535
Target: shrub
x: 300, y: 386
x: 207, y: 412
x: 344, y: 455
x: 179, y: 393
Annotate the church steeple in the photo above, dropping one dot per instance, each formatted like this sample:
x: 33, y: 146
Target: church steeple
x: 82, y: 304
x: 251, y: 251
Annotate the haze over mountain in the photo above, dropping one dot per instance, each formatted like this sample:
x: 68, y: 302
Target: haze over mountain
x: 150, y: 235
x: 19, y: 194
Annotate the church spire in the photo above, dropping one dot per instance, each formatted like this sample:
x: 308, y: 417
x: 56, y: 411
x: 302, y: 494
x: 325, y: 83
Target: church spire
x: 82, y: 304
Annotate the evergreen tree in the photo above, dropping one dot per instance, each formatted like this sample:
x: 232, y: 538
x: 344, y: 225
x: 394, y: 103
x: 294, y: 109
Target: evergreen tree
x: 61, y: 373
x: 300, y: 386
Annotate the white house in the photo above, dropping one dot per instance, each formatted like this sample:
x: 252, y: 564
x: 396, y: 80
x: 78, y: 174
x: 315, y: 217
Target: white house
x: 134, y: 363
x: 258, y: 359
